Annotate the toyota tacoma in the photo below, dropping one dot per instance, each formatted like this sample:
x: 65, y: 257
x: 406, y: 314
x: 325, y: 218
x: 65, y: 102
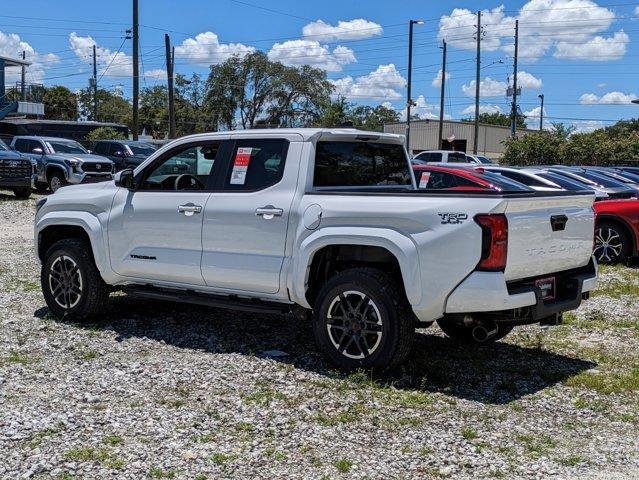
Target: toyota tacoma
x: 327, y: 224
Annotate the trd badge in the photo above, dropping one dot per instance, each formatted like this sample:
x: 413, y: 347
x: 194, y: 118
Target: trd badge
x: 453, y: 218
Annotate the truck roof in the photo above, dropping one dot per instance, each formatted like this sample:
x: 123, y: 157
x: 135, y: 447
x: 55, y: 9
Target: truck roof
x: 306, y: 133
x: 44, y: 139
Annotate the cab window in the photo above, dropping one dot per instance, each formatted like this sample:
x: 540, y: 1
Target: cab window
x: 256, y: 164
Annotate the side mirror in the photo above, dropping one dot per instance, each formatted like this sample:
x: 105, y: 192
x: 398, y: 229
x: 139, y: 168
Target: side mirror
x: 118, y: 153
x: 37, y: 151
x: 125, y: 179
x: 89, y: 151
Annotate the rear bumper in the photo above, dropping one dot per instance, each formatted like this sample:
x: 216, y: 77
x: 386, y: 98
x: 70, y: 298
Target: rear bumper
x: 489, y: 292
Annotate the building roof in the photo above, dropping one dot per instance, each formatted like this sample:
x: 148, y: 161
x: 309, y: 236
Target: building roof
x: 28, y: 121
x: 14, y: 62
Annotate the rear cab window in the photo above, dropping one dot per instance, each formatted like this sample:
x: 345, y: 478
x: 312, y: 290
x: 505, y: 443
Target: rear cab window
x: 361, y: 164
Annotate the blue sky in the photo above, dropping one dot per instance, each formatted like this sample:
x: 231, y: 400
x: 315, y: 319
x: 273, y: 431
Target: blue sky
x: 581, y: 54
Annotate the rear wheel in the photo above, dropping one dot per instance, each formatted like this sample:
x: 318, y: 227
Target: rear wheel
x: 56, y: 180
x: 362, y: 319
x: 22, y: 193
x: 612, y: 244
x: 70, y: 281
x: 474, y: 334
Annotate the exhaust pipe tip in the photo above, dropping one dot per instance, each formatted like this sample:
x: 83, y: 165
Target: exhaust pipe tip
x: 481, y: 334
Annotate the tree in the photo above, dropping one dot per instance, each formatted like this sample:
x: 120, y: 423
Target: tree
x: 112, y: 107
x: 338, y: 111
x: 335, y: 113
x: 104, y: 133
x: 154, y: 115
x: 60, y: 103
x: 497, y: 118
x: 562, y: 130
x: 190, y: 116
x: 533, y: 149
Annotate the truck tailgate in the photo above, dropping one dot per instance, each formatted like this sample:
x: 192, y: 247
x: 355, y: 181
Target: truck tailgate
x: 537, y: 243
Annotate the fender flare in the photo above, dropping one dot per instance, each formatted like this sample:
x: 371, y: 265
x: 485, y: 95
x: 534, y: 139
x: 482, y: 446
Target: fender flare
x: 88, y: 222
x: 400, y: 246
x: 54, y: 166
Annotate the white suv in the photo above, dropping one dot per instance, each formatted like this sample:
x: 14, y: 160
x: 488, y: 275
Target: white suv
x: 449, y: 156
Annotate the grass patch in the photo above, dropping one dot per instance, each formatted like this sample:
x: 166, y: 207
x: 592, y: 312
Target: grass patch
x: 275, y: 454
x: 263, y: 397
x: 101, y: 456
x: 572, y: 460
x: 536, y: 446
x: 113, y: 440
x: 343, y: 465
x: 607, y: 383
x: 38, y: 437
x: 157, y: 472
x: 220, y: 458
x: 469, y: 433
x: 173, y: 402
x: 17, y: 358
x: 353, y: 413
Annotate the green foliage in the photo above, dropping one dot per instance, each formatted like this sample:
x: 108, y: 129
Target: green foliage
x: 104, y: 133
x: 618, y: 144
x: 497, y: 119
x: 364, y: 117
x: 60, y: 103
x: 112, y: 107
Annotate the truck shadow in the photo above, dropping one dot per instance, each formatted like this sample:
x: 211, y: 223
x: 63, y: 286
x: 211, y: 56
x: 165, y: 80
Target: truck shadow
x: 494, y: 374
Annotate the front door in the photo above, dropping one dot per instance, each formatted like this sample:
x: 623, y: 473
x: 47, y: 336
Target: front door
x: 244, y: 231
x: 155, y: 232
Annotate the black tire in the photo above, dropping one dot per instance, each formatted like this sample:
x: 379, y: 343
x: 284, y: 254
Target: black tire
x: 22, y: 193
x: 462, y: 334
x: 72, y: 257
x: 390, y: 320
x: 56, y: 180
x: 612, y: 244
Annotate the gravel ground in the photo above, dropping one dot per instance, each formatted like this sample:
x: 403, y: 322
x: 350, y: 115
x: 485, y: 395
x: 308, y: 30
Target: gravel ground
x: 157, y: 390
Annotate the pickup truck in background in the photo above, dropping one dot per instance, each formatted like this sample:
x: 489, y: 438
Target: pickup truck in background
x: 60, y: 162
x: 323, y: 221
x: 17, y: 172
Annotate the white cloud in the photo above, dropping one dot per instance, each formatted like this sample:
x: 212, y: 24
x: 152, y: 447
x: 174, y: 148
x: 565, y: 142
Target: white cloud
x: 544, y: 24
x: 487, y: 88
x: 384, y: 82
x: 597, y: 48
x: 344, y: 30
x: 527, y: 80
x: 116, y: 64
x: 601, y: 85
x: 610, y: 98
x: 311, y: 52
x: 437, y: 81
x: 637, y: 11
x: 206, y: 49
x: 533, y: 117
x: 11, y: 45
x: 423, y: 110
x: 587, y: 126
x: 483, y: 108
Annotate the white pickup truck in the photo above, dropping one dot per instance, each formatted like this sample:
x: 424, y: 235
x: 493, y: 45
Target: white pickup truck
x: 321, y: 220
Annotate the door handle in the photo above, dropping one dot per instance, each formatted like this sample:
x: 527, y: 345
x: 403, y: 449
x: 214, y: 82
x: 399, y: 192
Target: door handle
x: 268, y: 212
x: 189, y: 209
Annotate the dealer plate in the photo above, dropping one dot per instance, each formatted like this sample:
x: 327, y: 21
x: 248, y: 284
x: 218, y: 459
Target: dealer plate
x: 547, y: 287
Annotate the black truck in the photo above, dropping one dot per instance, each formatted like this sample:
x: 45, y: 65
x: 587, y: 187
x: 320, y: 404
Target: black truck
x: 17, y: 172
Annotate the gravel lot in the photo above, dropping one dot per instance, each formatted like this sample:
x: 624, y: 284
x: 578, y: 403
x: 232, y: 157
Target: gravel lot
x: 157, y: 390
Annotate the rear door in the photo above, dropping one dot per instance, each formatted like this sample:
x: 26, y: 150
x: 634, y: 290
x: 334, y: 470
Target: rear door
x: 245, y: 225
x: 548, y: 234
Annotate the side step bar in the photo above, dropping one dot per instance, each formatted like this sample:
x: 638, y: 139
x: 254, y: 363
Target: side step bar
x: 217, y: 301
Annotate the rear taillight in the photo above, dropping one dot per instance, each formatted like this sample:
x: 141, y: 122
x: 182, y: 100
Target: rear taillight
x: 494, y: 245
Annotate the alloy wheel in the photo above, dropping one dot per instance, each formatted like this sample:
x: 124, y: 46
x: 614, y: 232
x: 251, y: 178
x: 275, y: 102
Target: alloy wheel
x: 354, y: 324
x: 608, y: 245
x: 65, y: 282
x: 55, y: 183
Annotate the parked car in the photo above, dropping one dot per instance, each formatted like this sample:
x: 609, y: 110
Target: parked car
x: 61, y: 162
x: 124, y: 153
x: 628, y: 178
x: 544, y: 181
x: 443, y: 156
x: 480, y: 159
x: 17, y: 172
x: 616, y: 230
x: 322, y: 221
x: 478, y: 179
x: 612, y: 187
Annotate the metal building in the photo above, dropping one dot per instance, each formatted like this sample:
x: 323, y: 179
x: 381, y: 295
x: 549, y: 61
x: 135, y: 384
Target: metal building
x: 456, y: 135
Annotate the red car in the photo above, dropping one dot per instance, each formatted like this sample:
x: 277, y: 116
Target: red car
x: 476, y: 179
x: 616, y: 230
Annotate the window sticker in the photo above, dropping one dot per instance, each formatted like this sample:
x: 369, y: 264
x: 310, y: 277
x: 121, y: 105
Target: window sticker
x: 240, y: 166
x: 423, y: 180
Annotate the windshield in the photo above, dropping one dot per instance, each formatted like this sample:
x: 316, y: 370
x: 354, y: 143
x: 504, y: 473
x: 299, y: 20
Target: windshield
x: 3, y: 146
x: 66, y: 147
x: 504, y: 183
x: 484, y: 159
x: 564, y: 182
x: 141, y: 149
x: 601, y: 180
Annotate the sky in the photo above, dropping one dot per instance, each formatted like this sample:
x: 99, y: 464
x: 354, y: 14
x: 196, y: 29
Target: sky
x: 581, y: 55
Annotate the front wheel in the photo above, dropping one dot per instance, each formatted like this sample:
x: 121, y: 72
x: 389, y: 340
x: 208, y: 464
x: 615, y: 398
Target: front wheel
x: 70, y: 281
x: 611, y: 243
x: 56, y: 181
x: 22, y: 193
x: 362, y: 319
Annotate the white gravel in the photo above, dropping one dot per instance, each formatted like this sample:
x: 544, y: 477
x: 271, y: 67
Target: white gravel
x: 157, y: 390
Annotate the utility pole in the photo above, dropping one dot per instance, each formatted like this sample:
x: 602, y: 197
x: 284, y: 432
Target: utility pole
x: 23, y: 91
x: 169, y: 77
x: 136, y: 70
x: 409, y: 100
x: 541, y: 113
x: 477, y: 84
x: 95, y: 86
x: 441, y: 97
x: 513, y: 120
